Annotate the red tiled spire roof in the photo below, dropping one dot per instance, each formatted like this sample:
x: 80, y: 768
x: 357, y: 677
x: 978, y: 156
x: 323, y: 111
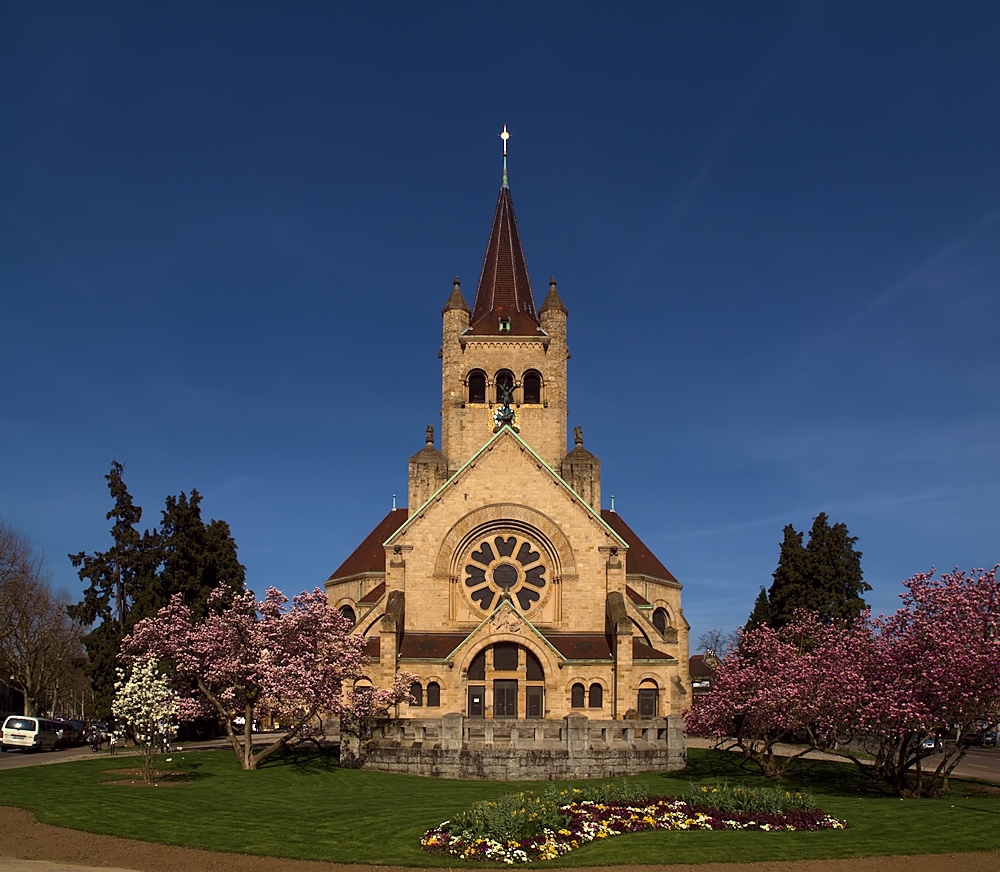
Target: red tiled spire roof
x: 504, y: 288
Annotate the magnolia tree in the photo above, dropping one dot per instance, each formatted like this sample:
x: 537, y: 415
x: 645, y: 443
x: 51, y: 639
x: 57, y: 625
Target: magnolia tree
x: 777, y: 684
x: 147, y: 704
x: 253, y: 659
x: 883, y: 687
x: 933, y: 672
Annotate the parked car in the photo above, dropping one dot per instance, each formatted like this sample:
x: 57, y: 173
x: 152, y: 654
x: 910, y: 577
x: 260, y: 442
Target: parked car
x: 931, y: 743
x: 29, y: 734
x: 66, y: 732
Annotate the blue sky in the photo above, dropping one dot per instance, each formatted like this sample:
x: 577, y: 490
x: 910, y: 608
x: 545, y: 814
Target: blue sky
x: 227, y: 231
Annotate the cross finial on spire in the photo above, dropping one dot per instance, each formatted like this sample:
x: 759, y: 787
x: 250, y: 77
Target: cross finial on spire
x: 505, y: 136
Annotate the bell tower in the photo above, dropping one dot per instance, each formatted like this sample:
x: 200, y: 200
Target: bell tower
x: 503, y: 362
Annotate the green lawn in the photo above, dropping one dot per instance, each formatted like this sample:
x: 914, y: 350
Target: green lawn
x: 305, y: 806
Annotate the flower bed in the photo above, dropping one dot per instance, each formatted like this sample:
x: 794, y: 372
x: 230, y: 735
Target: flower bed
x: 587, y: 821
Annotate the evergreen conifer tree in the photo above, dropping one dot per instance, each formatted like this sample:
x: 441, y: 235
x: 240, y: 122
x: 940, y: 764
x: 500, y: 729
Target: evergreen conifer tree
x: 142, y: 571
x: 822, y: 577
x: 761, y: 613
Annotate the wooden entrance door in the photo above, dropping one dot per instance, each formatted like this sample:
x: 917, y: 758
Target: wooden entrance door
x: 504, y: 698
x: 477, y: 697
x: 648, y: 702
x: 533, y: 696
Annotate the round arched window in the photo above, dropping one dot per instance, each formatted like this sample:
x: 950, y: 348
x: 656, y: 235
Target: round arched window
x: 532, y: 387
x: 477, y: 386
x: 595, y: 699
x: 433, y: 694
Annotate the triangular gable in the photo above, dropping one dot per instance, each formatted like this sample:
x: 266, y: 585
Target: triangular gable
x: 507, y: 432
x: 488, y: 628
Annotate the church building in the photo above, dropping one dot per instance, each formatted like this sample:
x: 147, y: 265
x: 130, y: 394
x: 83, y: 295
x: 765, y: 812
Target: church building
x: 523, y: 606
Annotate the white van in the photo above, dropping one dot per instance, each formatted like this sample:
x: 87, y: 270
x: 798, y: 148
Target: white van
x: 31, y: 734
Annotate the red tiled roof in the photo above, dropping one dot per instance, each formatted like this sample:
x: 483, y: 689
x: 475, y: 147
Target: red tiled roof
x: 641, y: 651
x: 699, y: 668
x: 580, y: 647
x: 429, y: 646
x: 375, y: 594
x: 504, y: 288
x: 640, y: 560
x: 369, y: 556
x: 636, y: 597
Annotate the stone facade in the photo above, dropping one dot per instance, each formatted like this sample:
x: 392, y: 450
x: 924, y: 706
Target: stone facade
x: 524, y: 607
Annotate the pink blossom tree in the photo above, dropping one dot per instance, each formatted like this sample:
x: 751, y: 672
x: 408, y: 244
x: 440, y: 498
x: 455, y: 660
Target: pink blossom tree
x: 933, y: 673
x: 778, y: 684
x: 931, y: 670
x: 252, y: 659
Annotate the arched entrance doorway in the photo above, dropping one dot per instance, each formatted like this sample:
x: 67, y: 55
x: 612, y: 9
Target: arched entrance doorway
x: 506, y: 680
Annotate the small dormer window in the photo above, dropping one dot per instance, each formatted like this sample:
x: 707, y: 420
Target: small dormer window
x: 505, y: 325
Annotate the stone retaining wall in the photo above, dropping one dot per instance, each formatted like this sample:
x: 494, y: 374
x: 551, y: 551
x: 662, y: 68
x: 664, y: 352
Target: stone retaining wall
x: 511, y: 750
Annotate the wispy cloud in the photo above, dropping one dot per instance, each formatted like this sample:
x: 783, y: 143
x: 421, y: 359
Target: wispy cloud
x: 56, y: 257
x: 922, y: 274
x: 744, y: 111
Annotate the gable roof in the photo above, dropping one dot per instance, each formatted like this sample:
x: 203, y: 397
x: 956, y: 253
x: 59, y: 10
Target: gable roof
x: 505, y: 432
x: 369, y: 556
x: 642, y: 651
x: 699, y: 666
x: 640, y: 560
x: 504, y: 289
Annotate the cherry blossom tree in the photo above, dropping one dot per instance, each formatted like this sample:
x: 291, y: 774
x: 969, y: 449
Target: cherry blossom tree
x: 251, y: 659
x: 147, y: 703
x: 884, y: 687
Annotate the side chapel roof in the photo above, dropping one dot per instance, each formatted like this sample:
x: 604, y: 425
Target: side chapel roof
x: 640, y: 560
x: 369, y: 556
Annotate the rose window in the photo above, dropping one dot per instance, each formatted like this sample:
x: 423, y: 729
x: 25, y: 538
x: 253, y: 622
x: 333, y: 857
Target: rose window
x: 505, y: 567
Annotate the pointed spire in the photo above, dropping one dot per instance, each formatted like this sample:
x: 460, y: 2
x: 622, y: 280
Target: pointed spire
x: 552, y: 299
x: 504, y: 136
x: 504, y: 302
x: 456, y: 300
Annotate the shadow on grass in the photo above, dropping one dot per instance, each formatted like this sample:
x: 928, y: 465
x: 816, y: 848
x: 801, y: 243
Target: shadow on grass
x: 168, y: 775
x: 305, y: 759
x: 815, y: 776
